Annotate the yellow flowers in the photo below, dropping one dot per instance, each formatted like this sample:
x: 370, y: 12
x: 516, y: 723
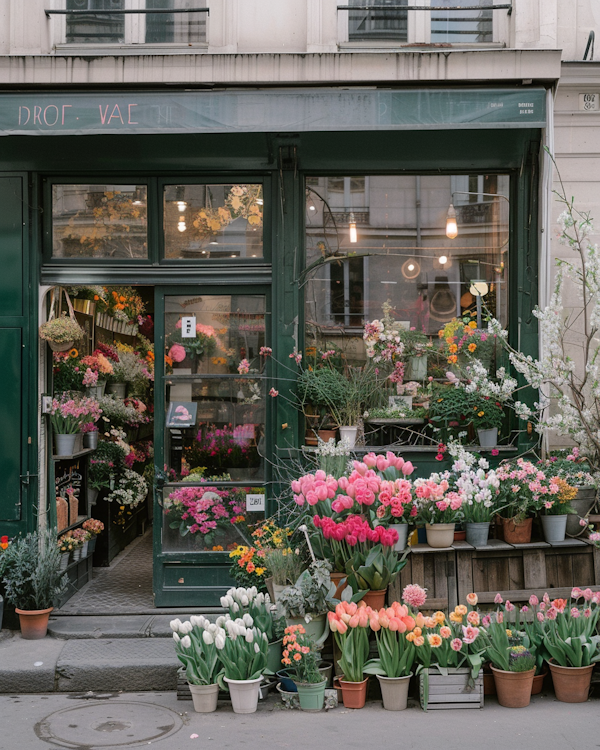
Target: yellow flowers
x: 472, y: 347
x: 480, y: 413
x: 473, y: 325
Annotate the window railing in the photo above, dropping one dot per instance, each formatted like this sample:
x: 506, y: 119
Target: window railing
x: 449, y: 23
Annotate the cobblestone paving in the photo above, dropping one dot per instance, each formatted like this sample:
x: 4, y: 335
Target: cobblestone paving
x: 123, y: 588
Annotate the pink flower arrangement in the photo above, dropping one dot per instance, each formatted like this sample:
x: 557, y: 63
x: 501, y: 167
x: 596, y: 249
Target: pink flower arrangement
x: 203, y: 510
x: 177, y: 353
x: 436, y: 502
x: 244, y: 367
x: 414, y: 596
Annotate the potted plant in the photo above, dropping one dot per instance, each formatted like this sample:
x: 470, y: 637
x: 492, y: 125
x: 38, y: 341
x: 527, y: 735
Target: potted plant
x: 305, y: 603
x: 32, y: 580
x: 486, y: 417
x: 417, y: 345
x: 61, y: 333
x: 396, y: 654
x: 94, y: 528
x: 439, y: 508
x: 106, y: 465
x: 576, y: 471
x: 349, y: 624
x: 556, y: 510
x: 513, y: 667
x: 66, y: 417
x: 196, y: 650
x: 301, y: 656
x: 243, y: 654
x: 450, y: 411
x: 285, y: 566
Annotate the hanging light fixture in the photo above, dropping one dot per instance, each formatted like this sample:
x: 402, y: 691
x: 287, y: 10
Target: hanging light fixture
x: 451, y: 226
x: 443, y: 259
x: 352, y: 228
x: 181, y: 225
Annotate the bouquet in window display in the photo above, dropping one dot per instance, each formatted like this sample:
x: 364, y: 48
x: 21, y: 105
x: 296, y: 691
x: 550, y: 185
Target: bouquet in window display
x: 124, y: 304
x: 462, y: 341
x: 221, y: 449
x: 205, y: 342
x: 207, y: 511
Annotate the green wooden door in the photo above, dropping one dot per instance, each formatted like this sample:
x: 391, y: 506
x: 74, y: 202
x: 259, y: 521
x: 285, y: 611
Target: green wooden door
x: 14, y: 360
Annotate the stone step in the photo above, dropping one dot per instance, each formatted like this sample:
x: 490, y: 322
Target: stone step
x: 116, y: 626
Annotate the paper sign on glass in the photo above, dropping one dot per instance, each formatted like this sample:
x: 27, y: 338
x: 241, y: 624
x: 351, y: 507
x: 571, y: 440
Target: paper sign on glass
x: 255, y: 503
x: 188, y: 327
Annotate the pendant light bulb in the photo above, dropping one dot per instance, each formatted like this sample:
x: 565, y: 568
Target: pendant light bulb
x: 181, y: 206
x: 181, y: 225
x: 451, y: 226
x: 443, y: 260
x: 352, y: 228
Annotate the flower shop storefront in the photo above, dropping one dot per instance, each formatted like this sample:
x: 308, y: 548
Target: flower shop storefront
x: 219, y: 292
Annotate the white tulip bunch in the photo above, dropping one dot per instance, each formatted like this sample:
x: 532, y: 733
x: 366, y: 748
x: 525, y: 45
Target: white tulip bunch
x: 240, y: 602
x: 197, y: 643
x: 243, y: 652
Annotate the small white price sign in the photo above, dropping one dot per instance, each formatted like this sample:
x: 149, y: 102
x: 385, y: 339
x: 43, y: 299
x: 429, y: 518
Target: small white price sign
x: 255, y: 503
x: 188, y: 327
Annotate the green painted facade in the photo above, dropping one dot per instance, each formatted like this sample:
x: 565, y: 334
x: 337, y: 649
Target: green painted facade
x: 281, y: 161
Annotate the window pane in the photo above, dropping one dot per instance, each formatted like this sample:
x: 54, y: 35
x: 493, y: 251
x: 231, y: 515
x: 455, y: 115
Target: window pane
x: 402, y: 253
x: 96, y: 29
x: 99, y: 221
x: 174, y: 28
x: 213, y: 221
x: 377, y: 24
x: 462, y: 26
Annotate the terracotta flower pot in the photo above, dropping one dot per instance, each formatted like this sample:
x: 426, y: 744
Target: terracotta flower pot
x: 341, y: 581
x: 354, y: 694
x: 375, y: 599
x: 517, y: 533
x: 571, y: 684
x: 538, y: 683
x: 34, y: 623
x: 513, y: 688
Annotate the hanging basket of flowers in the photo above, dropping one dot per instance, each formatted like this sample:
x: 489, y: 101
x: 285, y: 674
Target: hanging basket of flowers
x: 62, y: 332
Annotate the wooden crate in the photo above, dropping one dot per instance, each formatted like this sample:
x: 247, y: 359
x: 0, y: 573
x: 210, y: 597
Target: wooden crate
x: 453, y: 690
x: 434, y: 570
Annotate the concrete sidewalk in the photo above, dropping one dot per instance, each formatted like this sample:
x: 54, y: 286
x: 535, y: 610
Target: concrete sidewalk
x: 158, y: 720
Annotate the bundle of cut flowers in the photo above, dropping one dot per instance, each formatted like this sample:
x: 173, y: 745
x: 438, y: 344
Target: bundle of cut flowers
x: 240, y: 601
x: 93, y: 526
x: 205, y: 510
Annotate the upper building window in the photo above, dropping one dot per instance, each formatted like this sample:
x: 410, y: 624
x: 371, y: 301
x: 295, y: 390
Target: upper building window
x: 365, y: 23
x: 117, y: 22
x: 464, y: 26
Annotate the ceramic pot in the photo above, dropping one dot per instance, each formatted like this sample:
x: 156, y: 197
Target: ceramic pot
x: 204, y: 697
x: 311, y: 695
x: 315, y: 628
x: 90, y: 440
x: 287, y: 683
x: 274, y: 656
x: 513, y: 688
x: 477, y: 533
x: 277, y: 589
x: 538, y: 683
x: 555, y: 528
x: 341, y: 581
x: 440, y: 534
x: 34, y: 623
x: 326, y: 669
x: 571, y: 684
x: 488, y: 438
x: 583, y: 503
x: 394, y: 692
x: 375, y: 599
x: 354, y: 694
x: 402, y: 529
x: 417, y: 368
x: 517, y: 533
x: 349, y: 434
x: 117, y: 389
x: 65, y: 444
x: 244, y: 694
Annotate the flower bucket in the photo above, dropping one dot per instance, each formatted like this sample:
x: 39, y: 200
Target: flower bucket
x: 583, y: 503
x: 85, y: 549
x: 92, y: 545
x: 315, y: 628
x: 488, y: 438
x: 117, y: 389
x: 204, y: 697
x: 244, y: 694
x: 274, y: 656
x: 65, y: 444
x: 311, y: 695
x: 571, y: 684
x: 538, y: 683
x: 90, y: 440
x: 513, y: 688
x: 63, y: 561
x: 375, y: 599
x: 394, y: 692
x: 349, y: 434
x: 440, y: 534
x: 402, y: 529
x: 555, y: 528
x: 517, y: 533
x: 96, y: 391
x: 478, y: 533
x: 341, y: 581
x: 92, y: 496
x: 34, y: 623
x: 77, y: 554
x: 354, y: 694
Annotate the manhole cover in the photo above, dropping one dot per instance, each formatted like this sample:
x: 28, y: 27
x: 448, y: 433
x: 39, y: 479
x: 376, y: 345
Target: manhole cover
x: 108, y: 725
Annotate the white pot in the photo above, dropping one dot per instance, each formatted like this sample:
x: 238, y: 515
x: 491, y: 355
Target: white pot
x: 394, y: 692
x: 488, y: 438
x: 402, y: 529
x: 244, y: 694
x: 555, y: 528
x: 349, y: 434
x: 277, y: 589
x: 204, y: 697
x: 417, y: 368
x: 440, y: 535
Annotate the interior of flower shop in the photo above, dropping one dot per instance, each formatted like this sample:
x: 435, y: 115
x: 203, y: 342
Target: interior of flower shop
x: 222, y: 316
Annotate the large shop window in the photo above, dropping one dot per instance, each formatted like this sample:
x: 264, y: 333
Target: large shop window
x: 99, y: 221
x: 114, y: 27
x: 213, y: 221
x: 425, y: 257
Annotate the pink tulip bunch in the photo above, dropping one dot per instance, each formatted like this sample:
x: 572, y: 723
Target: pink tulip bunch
x: 314, y: 488
x: 437, y: 503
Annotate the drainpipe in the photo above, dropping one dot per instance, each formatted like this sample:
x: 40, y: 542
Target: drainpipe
x: 418, y: 207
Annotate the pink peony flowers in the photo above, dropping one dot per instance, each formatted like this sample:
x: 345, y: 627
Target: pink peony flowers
x: 414, y: 595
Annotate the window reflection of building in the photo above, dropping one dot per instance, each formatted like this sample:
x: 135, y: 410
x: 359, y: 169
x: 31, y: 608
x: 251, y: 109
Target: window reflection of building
x: 402, y: 252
